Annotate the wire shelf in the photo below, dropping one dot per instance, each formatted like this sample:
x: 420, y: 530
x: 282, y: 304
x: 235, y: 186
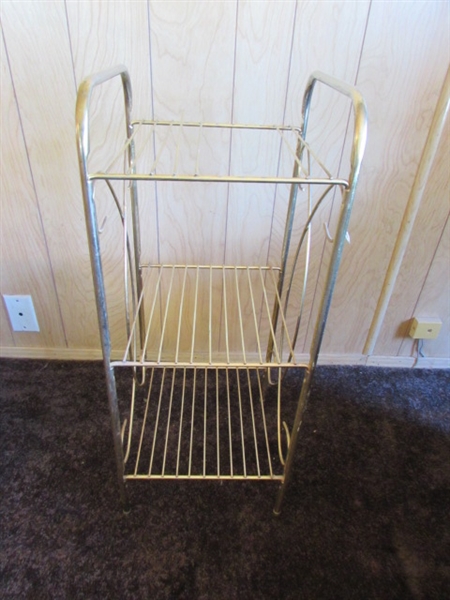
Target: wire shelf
x: 191, y: 313
x: 203, y: 424
x: 186, y: 151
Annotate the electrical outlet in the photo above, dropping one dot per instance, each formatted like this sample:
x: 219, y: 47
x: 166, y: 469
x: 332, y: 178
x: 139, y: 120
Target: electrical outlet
x: 21, y: 313
x: 425, y: 329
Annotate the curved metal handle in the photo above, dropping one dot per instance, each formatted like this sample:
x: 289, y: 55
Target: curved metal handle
x: 360, y: 114
x: 83, y: 100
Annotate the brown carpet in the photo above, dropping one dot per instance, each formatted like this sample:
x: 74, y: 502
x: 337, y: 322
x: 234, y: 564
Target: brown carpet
x: 366, y: 516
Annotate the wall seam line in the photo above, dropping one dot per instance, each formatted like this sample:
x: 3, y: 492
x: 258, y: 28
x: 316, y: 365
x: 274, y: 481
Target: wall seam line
x: 36, y: 197
x: 152, y: 96
x: 286, y: 92
x: 330, y: 212
x: 233, y: 90
x: 424, y: 281
x: 275, y: 194
x: 10, y: 329
x: 70, y: 46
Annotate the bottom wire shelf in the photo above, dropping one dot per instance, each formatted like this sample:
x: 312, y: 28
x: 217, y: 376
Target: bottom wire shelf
x: 199, y: 423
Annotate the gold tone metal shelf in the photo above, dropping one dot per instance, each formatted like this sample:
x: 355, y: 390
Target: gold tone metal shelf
x: 202, y: 424
x: 191, y: 313
x: 199, y: 152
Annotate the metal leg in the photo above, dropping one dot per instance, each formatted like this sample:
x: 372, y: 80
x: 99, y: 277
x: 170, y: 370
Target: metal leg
x: 304, y: 395
x: 318, y: 335
x: 117, y: 437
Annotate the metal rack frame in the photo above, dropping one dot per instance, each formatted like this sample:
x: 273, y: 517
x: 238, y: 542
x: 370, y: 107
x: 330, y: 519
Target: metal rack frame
x: 200, y: 400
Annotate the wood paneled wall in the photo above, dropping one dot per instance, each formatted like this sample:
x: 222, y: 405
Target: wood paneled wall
x: 237, y: 60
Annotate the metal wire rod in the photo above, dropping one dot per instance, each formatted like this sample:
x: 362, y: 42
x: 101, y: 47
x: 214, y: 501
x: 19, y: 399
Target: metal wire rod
x: 275, y: 346
x: 126, y: 256
x: 125, y: 147
x: 151, y: 176
x: 307, y: 260
x: 297, y: 253
x: 210, y: 318
x: 255, y: 439
x: 230, y: 438
x: 306, y: 270
x: 208, y: 477
x: 240, y: 317
x: 263, y: 414
x: 205, y: 408
x: 200, y: 131
x: 152, y: 311
x: 125, y: 275
x: 313, y: 154
x: 283, y: 319
x: 177, y: 149
x: 216, y: 125
x: 133, y: 328
x: 180, y: 315
x: 214, y: 267
x: 144, y: 423
x: 181, y: 421
x: 155, y: 432
x: 205, y: 364
x: 225, y: 314
x: 241, y: 423
x: 300, y: 243
x: 280, y: 449
x: 255, y: 318
x: 192, y: 422
x: 165, y: 315
x: 168, y: 422
x: 195, y: 317
x: 217, y: 423
x: 293, y: 152
x: 131, y: 420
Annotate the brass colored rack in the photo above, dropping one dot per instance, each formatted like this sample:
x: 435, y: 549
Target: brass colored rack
x: 208, y: 346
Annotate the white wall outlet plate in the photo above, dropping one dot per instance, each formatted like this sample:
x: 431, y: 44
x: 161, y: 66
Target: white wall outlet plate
x: 21, y: 313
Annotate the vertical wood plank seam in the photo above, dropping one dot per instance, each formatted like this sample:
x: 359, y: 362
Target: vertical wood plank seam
x: 330, y: 212
x: 403, y: 341
x: 233, y: 86
x: 289, y: 67
x: 70, y: 47
x: 36, y: 198
x: 150, y: 56
x: 1, y: 124
x: 363, y: 43
x: 152, y: 96
x: 1, y: 253
x: 274, y: 203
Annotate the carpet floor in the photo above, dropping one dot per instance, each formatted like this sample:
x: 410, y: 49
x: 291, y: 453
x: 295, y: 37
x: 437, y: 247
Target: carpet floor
x: 366, y: 515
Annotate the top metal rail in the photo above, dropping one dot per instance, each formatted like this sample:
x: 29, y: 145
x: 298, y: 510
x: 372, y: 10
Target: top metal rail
x: 359, y: 112
x: 290, y: 137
